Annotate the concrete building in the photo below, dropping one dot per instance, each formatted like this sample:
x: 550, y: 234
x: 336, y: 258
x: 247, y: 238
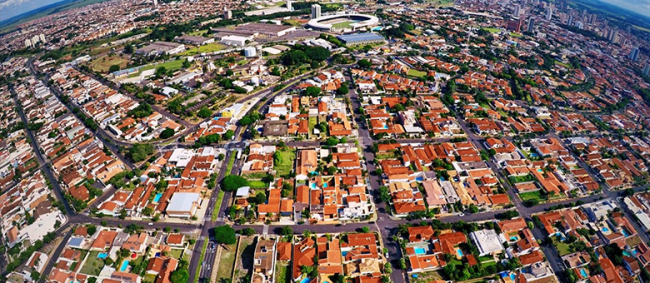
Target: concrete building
x: 646, y: 69
x: 289, y: 5
x: 235, y: 40
x: 227, y: 14
x: 183, y: 205
x: 487, y: 241
x: 315, y: 11
x: 634, y: 54
x: 549, y: 12
x: 250, y: 51
x: 361, y: 38
x: 160, y: 48
x: 531, y: 25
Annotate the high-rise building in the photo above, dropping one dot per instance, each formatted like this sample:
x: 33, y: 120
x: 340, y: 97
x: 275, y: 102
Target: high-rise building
x: 531, y: 25
x: 516, y: 11
x: 315, y: 11
x: 634, y: 54
x: 570, y: 21
x: 227, y: 14
x: 549, y: 12
x: 28, y: 43
x: 646, y: 69
x: 155, y: 2
x: 42, y: 37
x: 289, y: 5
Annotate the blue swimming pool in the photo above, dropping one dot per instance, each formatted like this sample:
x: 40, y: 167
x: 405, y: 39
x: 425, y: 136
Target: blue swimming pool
x: 605, y: 229
x: 513, y: 238
x: 583, y: 273
x: 420, y: 251
x: 626, y: 253
x: 324, y: 185
x: 102, y: 255
x: 513, y: 276
x: 312, y: 186
x: 156, y: 199
x: 305, y: 280
x: 419, y: 179
x: 532, y: 154
x: 625, y: 232
x: 459, y: 252
x: 125, y: 264
x: 344, y: 254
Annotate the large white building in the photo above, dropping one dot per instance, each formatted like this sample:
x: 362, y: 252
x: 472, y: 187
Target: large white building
x: 487, y: 241
x: 315, y: 11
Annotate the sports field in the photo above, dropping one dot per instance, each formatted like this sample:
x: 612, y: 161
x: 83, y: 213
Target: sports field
x: 104, y: 63
x: 342, y: 25
x: 212, y: 47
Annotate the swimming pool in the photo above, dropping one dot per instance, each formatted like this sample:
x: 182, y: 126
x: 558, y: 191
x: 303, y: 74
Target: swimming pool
x: 125, y: 264
x: 102, y: 255
x: 583, y: 273
x: 312, y: 186
x: 533, y: 154
x: 156, y: 199
x: 605, y: 229
x: 305, y: 280
x: 420, y: 251
x: 513, y: 276
x: 419, y: 179
x: 459, y: 252
x: 513, y: 238
x: 625, y: 232
x: 324, y: 185
x: 626, y: 253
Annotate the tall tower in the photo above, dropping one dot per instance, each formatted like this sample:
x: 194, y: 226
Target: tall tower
x: 155, y: 2
x: 634, y: 54
x: 646, y: 69
x: 315, y: 11
x: 227, y: 14
x: 570, y: 21
x: 531, y: 25
x: 549, y: 12
x: 289, y: 5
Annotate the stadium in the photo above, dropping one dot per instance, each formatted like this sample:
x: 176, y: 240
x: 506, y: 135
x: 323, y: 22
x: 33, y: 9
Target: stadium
x: 343, y: 22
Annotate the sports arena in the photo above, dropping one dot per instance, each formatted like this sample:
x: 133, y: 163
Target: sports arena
x: 343, y: 22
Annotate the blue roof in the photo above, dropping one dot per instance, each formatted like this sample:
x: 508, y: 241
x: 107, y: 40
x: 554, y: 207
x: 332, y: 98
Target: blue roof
x: 75, y: 242
x: 360, y: 37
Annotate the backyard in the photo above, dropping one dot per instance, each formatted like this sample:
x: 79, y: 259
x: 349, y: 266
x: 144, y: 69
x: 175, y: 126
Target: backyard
x: 281, y: 273
x: 93, y: 265
x: 285, y: 166
x: 562, y: 248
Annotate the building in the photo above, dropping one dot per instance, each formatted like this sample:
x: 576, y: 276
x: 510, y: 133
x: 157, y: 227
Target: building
x: 315, y: 11
x: 514, y: 25
x: 516, y: 11
x: 194, y: 40
x: 160, y: 48
x: 549, y: 12
x: 361, y: 38
x: 634, y: 54
x: 531, y: 25
x: 155, y: 2
x: 487, y: 241
x: 235, y: 40
x: 289, y: 5
x: 343, y: 22
x: 227, y: 14
x: 250, y: 51
x: 646, y: 69
x: 264, y: 260
x: 570, y: 21
x: 183, y: 205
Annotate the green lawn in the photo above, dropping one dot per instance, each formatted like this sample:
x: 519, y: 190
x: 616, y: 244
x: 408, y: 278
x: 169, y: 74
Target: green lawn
x: 385, y: 156
x: 231, y: 162
x: 174, y: 65
x: 562, y: 248
x: 286, y: 164
x: 176, y: 253
x: 208, y: 48
x: 521, y: 179
x: 341, y: 25
x: 258, y: 184
x: 104, y: 63
x: 530, y: 195
x: 493, y: 30
x: 215, y: 212
x: 149, y: 278
x: 312, y: 124
x: 198, y: 32
x: 563, y: 64
x: 416, y: 73
x: 513, y: 34
x: 281, y: 271
x: 226, y: 263
x: 93, y: 264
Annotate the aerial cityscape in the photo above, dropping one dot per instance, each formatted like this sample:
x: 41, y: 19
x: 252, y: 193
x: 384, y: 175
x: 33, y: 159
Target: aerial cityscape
x: 347, y: 141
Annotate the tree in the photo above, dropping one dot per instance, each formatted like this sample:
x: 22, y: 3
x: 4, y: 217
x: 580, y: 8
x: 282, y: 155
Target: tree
x: 312, y: 91
x: 139, y: 152
x: 91, y: 229
x: 384, y: 194
x: 225, y: 234
x: 167, y: 133
x: 161, y: 71
x: 35, y: 275
x: 228, y: 135
x: 114, y: 68
x: 286, y: 231
x: 204, y: 112
x: 247, y: 231
x: 364, y: 64
x: 233, y: 182
x: 181, y: 275
x: 343, y: 90
x: 331, y: 170
x: 365, y: 229
x: 186, y: 64
x: 332, y: 141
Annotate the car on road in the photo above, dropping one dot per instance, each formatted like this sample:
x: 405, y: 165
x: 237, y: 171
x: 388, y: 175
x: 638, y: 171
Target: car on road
x: 150, y: 224
x: 461, y: 214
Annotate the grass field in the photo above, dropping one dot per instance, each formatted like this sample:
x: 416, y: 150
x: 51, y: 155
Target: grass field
x: 258, y: 184
x: 342, y: 25
x: 231, y: 163
x: 93, y: 264
x: 176, y: 253
x: 530, y: 195
x: 286, y: 164
x: 416, y: 73
x: 513, y: 34
x: 174, y: 65
x: 281, y: 271
x: 226, y: 263
x: 104, y: 63
x: 493, y: 30
x: 563, y: 64
x: 198, y: 32
x: 562, y: 248
x: 217, y: 207
x: 212, y: 47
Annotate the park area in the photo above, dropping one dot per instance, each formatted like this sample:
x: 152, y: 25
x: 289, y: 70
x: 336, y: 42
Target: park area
x: 208, y: 48
x: 103, y: 64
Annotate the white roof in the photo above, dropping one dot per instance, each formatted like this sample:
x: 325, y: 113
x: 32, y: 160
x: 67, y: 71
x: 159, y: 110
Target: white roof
x: 182, y: 202
x: 487, y: 241
x: 243, y: 191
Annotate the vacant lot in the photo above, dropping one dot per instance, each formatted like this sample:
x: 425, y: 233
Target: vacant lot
x: 93, y: 264
x: 208, y: 48
x: 530, y: 195
x: 104, y: 63
x: 226, y: 262
x: 285, y: 166
x: 416, y: 73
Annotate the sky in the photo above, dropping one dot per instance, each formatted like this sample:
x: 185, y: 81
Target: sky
x: 638, y: 6
x: 11, y: 8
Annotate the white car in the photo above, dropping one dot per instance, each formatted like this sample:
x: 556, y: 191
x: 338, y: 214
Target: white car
x: 461, y: 214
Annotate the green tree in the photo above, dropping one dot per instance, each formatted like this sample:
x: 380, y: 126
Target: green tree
x: 167, y: 133
x: 233, y: 182
x: 114, y: 68
x: 204, y: 112
x: 225, y: 234
x: 312, y: 91
x: 343, y: 90
x: 181, y: 275
x: 364, y: 64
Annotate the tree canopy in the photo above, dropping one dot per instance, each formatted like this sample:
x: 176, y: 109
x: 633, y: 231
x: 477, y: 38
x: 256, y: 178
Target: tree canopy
x: 233, y: 182
x: 225, y: 234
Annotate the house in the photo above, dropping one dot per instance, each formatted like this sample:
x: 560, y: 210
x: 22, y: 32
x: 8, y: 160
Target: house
x: 264, y: 260
x: 487, y: 241
x: 136, y: 243
x: 162, y: 267
x: 420, y: 234
x: 104, y: 240
x: 304, y: 254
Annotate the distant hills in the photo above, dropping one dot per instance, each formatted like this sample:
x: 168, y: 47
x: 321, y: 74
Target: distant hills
x: 63, y: 5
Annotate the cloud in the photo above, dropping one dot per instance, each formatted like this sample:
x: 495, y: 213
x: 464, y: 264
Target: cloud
x: 12, y: 8
x: 636, y: 6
